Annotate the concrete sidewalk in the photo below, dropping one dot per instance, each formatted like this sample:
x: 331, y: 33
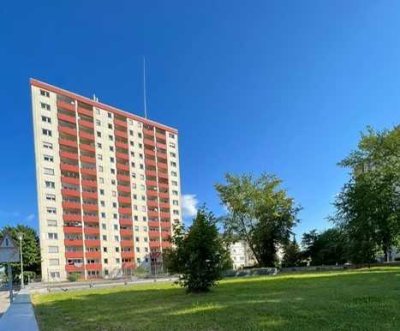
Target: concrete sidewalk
x: 20, y: 316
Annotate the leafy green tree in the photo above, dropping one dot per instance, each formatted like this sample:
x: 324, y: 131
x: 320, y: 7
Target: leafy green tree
x: 30, y: 249
x: 368, y: 207
x: 198, y: 254
x: 329, y: 247
x: 259, y: 212
x: 292, y: 254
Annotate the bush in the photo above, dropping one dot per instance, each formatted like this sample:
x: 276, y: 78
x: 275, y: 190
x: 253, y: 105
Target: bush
x: 74, y: 276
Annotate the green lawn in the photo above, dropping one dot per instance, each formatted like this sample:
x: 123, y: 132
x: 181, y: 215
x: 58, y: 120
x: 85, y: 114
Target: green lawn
x: 350, y: 300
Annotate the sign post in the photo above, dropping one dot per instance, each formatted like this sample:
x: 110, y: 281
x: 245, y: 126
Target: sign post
x: 9, y: 254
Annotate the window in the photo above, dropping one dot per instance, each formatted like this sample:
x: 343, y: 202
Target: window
x: 50, y: 197
x: 173, y: 164
x: 172, y: 145
x: 137, y: 239
x: 109, y: 115
x: 111, y: 148
x: 45, y: 106
x: 110, y: 137
x: 174, y: 183
x: 52, y: 236
x: 140, y: 146
x: 115, y: 226
x: 49, y: 184
x: 99, y: 157
x: 101, y: 179
x: 138, y: 249
x: 115, y: 216
x: 112, y: 160
x: 53, y: 249
x: 141, y: 166
x: 47, y: 145
x: 110, y: 126
x: 138, y: 259
x: 139, y: 135
x: 135, y: 218
x: 48, y: 171
x: 117, y: 249
x: 174, y: 192
x: 103, y: 215
x: 145, y: 228
x: 117, y: 260
x: 142, y: 177
x: 133, y: 164
x: 51, y: 210
x: 44, y: 93
x: 144, y: 219
x: 46, y: 132
x: 114, y: 204
x: 113, y: 171
x: 116, y: 238
x: 102, y: 203
x: 98, y: 134
x: 131, y: 132
x: 174, y: 173
x: 103, y: 226
x: 136, y: 227
x: 104, y: 237
x: 105, y: 249
x: 98, y: 122
x: 145, y: 239
x: 46, y: 119
x: 101, y: 191
x: 132, y: 143
x: 54, y: 274
x: 130, y: 121
x: 98, y: 145
x: 48, y: 158
x: 143, y: 208
x: 53, y: 262
x: 143, y: 198
x: 105, y: 261
x: 171, y: 135
x: 101, y: 168
x: 175, y: 202
x: 176, y: 212
x: 51, y: 222
x: 172, y: 154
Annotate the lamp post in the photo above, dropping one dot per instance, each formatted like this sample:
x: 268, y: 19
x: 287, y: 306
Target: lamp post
x: 20, y: 236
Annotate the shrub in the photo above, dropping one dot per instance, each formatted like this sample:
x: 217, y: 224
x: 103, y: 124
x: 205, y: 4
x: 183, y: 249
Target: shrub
x: 74, y: 276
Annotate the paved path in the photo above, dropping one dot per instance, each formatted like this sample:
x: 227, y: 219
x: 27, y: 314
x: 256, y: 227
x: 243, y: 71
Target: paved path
x: 20, y: 316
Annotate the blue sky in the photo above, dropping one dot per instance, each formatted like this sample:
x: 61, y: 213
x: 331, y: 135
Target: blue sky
x: 278, y: 86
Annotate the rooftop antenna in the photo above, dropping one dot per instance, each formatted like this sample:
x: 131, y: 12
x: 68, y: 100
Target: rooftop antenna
x: 144, y: 87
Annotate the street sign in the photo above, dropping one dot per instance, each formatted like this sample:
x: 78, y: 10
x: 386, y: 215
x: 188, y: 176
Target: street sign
x: 9, y: 251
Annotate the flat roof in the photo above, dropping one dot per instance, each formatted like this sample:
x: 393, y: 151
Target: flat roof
x: 52, y: 88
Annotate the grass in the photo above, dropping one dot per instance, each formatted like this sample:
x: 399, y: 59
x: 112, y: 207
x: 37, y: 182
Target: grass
x: 345, y: 300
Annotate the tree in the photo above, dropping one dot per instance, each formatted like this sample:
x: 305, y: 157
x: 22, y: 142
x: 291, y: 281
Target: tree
x: 329, y: 247
x: 368, y: 207
x: 30, y: 248
x: 199, y: 255
x: 292, y: 254
x: 259, y: 212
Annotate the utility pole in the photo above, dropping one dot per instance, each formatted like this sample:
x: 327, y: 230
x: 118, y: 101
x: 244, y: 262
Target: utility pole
x: 20, y: 236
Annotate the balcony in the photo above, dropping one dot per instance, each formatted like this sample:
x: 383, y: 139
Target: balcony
x: 89, y: 195
x: 163, y: 175
x: 164, y: 205
x: 67, y: 130
x: 123, y: 178
x: 65, y: 105
x: 152, y: 213
x: 89, y: 183
x: 161, y: 145
x: 71, y: 217
x: 154, y: 244
x: 165, y: 224
x: 125, y: 210
x: 93, y: 255
x: 92, y: 242
x: 151, y: 173
x: 121, y: 144
x: 86, y: 135
x: 71, y: 205
x: 166, y: 244
x: 125, y: 222
x: 120, y: 123
x: 149, y: 142
x: 163, y: 186
x: 70, y: 193
x: 149, y: 132
x: 165, y: 234
x: 66, y: 118
x: 121, y: 134
x: 124, y: 199
x: 160, y: 135
x: 69, y: 167
x: 72, y: 230
x: 164, y: 215
x: 90, y: 207
x: 66, y: 142
x: 149, y: 152
x: 90, y: 219
x: 126, y: 232
x: 91, y: 230
x: 74, y: 255
x: 152, y: 193
x: 89, y: 171
x: 122, y: 156
x: 164, y: 195
x: 69, y: 155
x: 154, y: 224
x: 86, y: 124
x: 124, y: 167
x: 73, y: 268
x: 86, y: 147
x: 162, y: 165
x: 151, y: 183
x: 126, y: 243
x: 73, y: 242
x: 154, y: 234
x: 127, y: 255
x: 122, y: 188
x: 93, y: 266
x: 84, y: 111
x: 88, y: 159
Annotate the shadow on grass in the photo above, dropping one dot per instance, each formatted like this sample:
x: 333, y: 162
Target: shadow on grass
x: 360, y: 301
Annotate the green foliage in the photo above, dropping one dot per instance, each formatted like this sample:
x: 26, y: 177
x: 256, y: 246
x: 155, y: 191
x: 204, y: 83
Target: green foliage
x: 74, y: 276
x: 30, y: 249
x: 368, y: 207
x: 292, y: 254
x: 259, y: 212
x: 329, y: 247
x: 198, y: 255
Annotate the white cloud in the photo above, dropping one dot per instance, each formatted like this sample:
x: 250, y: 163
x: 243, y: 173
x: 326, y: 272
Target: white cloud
x: 189, y: 205
x: 30, y: 217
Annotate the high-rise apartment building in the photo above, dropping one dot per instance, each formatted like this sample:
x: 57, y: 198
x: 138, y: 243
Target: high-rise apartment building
x: 107, y: 182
